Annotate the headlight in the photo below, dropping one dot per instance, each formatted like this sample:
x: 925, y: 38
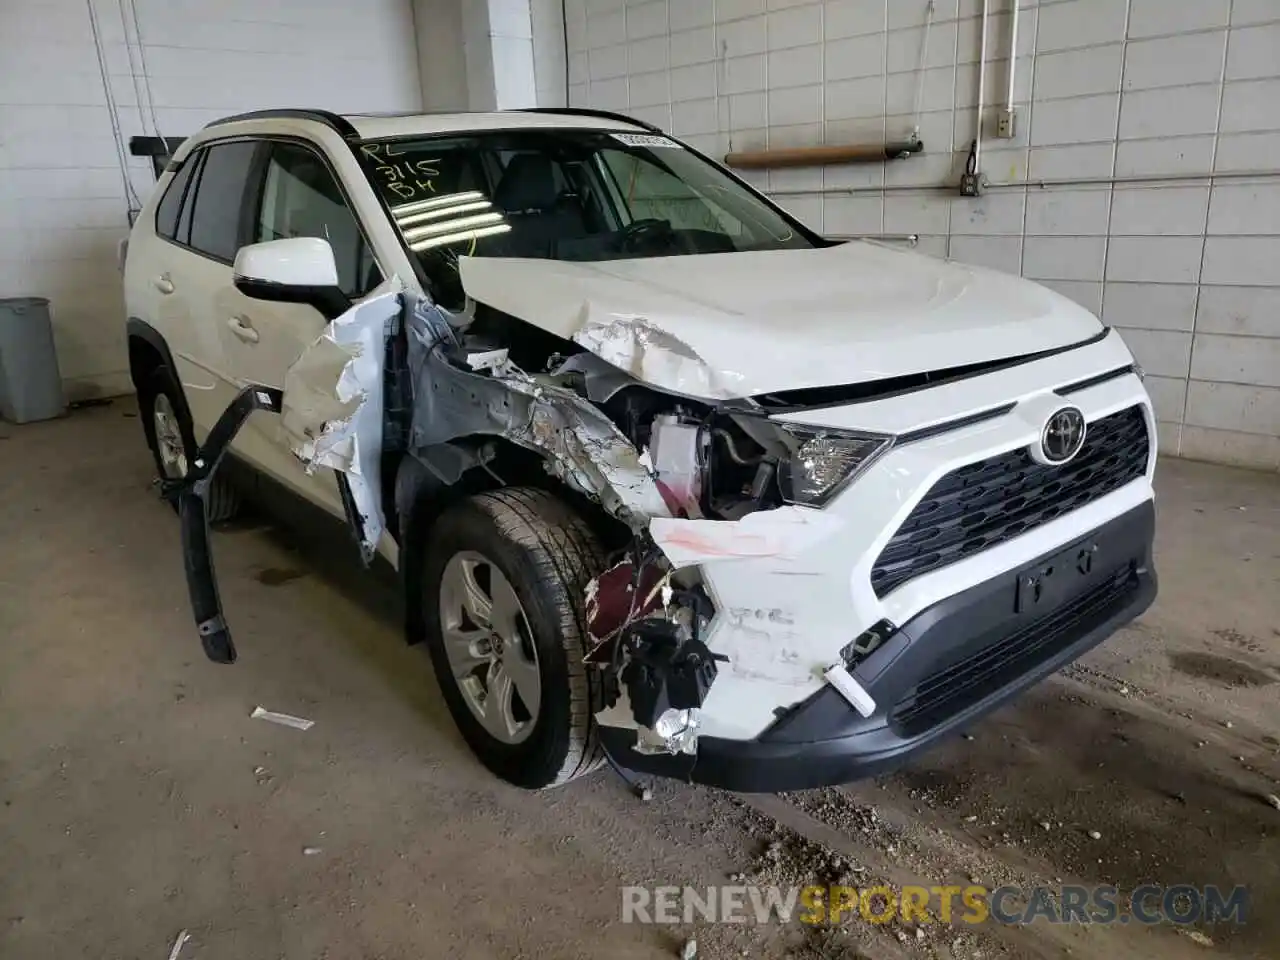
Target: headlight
x: 822, y: 461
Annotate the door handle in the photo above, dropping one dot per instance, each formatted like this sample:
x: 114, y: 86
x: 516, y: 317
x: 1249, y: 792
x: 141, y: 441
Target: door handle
x: 163, y: 283
x: 241, y: 327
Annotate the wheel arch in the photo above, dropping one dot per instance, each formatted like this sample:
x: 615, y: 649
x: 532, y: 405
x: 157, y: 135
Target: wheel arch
x: 147, y: 350
x: 422, y: 494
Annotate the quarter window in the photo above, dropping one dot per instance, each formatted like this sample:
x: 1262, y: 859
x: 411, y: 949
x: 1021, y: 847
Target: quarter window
x: 171, y: 202
x: 183, y: 235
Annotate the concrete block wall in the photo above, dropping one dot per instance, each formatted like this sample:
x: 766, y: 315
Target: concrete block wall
x: 64, y: 202
x: 1188, y: 270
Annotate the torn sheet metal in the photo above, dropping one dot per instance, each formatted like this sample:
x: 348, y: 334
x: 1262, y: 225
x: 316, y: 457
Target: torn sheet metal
x: 601, y: 380
x: 783, y: 534
x: 624, y: 321
x: 584, y: 449
x: 640, y: 347
x: 332, y: 414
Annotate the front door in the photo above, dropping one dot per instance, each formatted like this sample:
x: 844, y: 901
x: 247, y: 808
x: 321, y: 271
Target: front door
x: 294, y: 194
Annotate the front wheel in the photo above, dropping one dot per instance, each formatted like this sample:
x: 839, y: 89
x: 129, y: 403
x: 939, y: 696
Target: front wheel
x: 503, y: 591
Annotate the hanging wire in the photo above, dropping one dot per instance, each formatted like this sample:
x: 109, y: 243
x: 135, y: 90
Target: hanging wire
x: 564, y: 30
x: 930, y: 9
x: 130, y: 194
x: 133, y: 73
x: 721, y: 77
x: 146, y: 74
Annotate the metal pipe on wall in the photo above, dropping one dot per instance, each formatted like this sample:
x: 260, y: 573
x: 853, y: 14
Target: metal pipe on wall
x: 1153, y: 178
x: 1013, y: 56
x: 982, y: 89
x: 820, y: 156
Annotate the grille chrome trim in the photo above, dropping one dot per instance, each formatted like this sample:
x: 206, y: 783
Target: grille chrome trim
x: 924, y: 433
x: 1095, y: 381
x: 991, y: 501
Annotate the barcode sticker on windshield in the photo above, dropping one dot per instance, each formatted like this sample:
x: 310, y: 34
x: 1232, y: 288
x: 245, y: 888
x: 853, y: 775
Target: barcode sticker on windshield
x: 644, y: 140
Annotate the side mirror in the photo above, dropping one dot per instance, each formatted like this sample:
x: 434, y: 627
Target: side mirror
x: 293, y: 270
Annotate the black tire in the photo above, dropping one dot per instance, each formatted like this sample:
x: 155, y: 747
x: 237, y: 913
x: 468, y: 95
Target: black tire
x: 222, y: 501
x: 548, y: 554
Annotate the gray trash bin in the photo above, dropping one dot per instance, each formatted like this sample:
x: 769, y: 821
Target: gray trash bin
x: 30, y: 384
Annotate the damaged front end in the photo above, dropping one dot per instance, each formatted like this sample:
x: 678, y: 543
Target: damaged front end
x: 682, y: 481
x: 657, y: 671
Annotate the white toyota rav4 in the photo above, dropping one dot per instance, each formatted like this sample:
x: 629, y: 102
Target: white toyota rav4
x: 667, y: 476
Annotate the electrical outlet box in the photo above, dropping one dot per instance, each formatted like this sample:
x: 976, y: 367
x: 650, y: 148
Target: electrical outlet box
x: 1006, y: 124
x: 971, y: 184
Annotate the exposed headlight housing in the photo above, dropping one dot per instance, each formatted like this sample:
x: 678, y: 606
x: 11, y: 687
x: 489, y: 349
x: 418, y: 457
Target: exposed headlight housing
x: 822, y: 461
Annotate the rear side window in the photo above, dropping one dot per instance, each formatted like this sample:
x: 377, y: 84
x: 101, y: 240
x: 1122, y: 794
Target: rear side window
x: 171, y: 202
x: 215, y: 218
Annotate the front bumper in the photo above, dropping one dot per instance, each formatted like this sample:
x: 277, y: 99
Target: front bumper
x: 951, y: 664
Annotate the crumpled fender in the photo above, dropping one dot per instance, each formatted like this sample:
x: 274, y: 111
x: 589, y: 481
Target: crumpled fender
x: 333, y: 400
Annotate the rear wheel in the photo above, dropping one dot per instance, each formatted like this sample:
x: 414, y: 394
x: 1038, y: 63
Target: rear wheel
x: 504, y: 584
x: 169, y: 435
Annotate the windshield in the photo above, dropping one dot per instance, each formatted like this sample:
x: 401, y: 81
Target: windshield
x: 563, y: 195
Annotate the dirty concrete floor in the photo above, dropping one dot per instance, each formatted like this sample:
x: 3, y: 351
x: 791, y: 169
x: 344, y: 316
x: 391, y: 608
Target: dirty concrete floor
x: 139, y: 799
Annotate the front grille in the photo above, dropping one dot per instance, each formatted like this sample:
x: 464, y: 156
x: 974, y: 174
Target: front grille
x: 957, y: 687
x: 994, y: 500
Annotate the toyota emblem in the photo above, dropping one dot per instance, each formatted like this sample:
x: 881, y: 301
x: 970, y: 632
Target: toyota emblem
x: 1062, y: 436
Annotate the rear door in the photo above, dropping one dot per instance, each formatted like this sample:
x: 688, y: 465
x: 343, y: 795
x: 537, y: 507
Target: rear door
x: 293, y: 192
x: 208, y: 231
x: 165, y: 279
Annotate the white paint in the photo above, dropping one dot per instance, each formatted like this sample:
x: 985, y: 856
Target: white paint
x: 336, y: 421
x: 824, y: 590
x: 732, y: 325
x: 293, y: 261
x: 781, y: 534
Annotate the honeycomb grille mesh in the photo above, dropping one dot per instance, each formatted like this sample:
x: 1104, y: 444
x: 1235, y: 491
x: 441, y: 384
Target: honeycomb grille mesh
x: 992, y: 501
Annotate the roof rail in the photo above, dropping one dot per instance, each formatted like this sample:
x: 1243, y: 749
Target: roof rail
x: 338, y: 124
x: 588, y: 112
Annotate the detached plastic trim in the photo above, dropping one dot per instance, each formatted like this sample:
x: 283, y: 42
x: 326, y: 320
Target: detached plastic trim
x: 189, y: 494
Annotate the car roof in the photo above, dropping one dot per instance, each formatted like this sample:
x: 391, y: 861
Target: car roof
x: 377, y: 126
x: 374, y: 126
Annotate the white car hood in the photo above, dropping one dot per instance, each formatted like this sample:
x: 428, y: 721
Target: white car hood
x: 736, y: 324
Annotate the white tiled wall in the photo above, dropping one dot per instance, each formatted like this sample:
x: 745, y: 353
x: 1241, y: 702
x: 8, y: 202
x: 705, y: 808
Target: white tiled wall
x: 63, y: 201
x: 1189, y: 271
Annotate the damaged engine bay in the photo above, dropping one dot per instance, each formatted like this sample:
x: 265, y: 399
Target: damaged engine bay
x: 678, y: 480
